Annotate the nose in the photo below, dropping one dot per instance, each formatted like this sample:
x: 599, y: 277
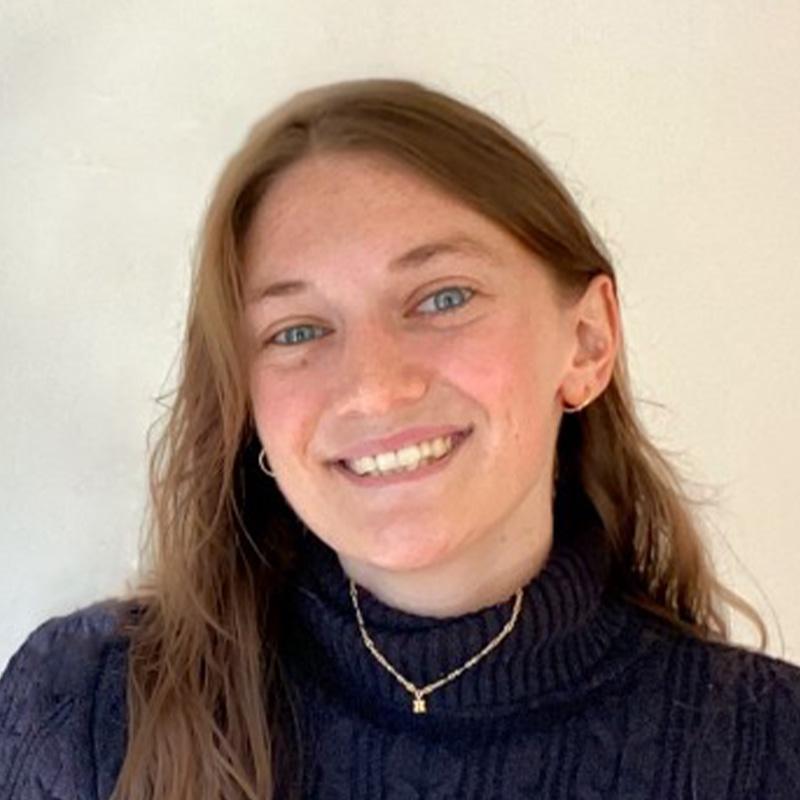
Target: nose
x: 379, y: 372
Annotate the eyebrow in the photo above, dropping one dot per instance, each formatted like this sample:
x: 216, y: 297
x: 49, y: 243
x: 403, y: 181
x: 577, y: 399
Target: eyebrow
x: 417, y: 256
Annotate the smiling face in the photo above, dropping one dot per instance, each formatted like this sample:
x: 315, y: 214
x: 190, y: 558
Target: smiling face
x: 468, y: 334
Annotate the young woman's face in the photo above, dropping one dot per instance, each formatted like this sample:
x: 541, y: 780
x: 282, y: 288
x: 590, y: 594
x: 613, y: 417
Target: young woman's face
x: 470, y: 336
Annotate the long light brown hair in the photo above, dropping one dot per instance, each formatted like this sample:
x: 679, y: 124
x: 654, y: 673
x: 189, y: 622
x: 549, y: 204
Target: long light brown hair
x: 207, y: 710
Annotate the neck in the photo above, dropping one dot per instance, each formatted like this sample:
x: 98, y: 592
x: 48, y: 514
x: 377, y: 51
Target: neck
x: 486, y: 572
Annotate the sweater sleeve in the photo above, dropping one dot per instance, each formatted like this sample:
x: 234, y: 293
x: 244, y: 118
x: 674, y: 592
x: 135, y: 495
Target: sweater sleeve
x: 49, y: 726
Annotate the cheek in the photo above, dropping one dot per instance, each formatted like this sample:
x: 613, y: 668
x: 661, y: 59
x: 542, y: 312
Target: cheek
x: 504, y: 368
x: 511, y: 379
x: 280, y: 410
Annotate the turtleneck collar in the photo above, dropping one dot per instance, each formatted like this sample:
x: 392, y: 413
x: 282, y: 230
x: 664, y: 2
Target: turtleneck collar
x: 566, y: 625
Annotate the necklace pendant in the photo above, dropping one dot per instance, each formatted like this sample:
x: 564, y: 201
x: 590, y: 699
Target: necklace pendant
x: 419, y: 705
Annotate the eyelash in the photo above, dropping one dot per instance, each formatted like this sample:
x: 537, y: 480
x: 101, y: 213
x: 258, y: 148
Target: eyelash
x: 464, y: 289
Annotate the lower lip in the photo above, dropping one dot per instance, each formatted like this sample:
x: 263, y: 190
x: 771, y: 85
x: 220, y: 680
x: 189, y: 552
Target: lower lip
x: 405, y: 477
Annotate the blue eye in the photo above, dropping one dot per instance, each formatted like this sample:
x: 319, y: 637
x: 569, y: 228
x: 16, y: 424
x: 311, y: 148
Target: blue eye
x: 453, y: 290
x: 294, y: 339
x: 447, y: 306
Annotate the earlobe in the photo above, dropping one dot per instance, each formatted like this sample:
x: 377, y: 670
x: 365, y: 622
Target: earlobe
x: 574, y: 409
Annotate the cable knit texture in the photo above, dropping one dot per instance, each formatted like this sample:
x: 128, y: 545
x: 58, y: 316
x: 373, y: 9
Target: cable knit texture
x: 588, y: 697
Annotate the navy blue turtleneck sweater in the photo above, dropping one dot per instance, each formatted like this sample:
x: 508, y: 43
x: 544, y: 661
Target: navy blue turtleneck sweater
x: 589, y: 697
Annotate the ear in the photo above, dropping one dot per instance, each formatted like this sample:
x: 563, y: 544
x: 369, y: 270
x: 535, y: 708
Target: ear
x: 596, y: 334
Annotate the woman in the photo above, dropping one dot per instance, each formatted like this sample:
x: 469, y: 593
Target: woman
x: 409, y: 539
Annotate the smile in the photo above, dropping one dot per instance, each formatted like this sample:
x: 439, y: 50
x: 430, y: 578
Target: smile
x: 434, y: 462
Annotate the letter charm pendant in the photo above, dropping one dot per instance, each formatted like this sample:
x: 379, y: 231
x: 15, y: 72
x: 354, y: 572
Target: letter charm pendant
x: 419, y: 705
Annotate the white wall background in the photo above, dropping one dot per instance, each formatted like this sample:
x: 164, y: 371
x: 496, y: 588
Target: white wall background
x: 675, y: 124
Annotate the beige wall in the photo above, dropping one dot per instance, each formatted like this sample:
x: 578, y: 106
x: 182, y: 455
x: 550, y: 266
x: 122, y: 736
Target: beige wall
x: 675, y: 124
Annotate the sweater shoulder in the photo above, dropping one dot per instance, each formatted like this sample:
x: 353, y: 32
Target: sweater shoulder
x: 739, y: 706
x: 731, y: 666
x: 62, y: 704
x: 756, y: 703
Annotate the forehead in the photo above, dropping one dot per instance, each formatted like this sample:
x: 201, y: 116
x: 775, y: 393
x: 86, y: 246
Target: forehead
x: 340, y: 198
x: 325, y: 176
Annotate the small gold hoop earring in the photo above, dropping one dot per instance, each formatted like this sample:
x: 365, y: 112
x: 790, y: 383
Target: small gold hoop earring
x: 263, y: 464
x: 575, y: 409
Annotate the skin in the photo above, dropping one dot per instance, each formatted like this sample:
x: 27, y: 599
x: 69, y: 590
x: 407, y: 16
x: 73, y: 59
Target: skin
x: 386, y: 357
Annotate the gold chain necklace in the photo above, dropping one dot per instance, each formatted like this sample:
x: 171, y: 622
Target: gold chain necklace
x: 418, y: 704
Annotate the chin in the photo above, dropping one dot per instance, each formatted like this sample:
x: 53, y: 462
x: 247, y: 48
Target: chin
x: 403, y: 556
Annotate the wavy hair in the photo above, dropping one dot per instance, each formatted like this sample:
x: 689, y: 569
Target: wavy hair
x: 208, y: 711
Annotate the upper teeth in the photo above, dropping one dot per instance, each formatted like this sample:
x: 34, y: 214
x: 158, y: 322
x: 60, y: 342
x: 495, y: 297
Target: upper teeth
x: 407, y: 457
